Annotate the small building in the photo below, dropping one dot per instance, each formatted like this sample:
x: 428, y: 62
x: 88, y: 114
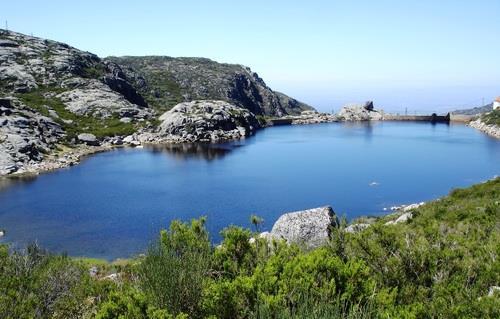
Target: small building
x: 496, y: 103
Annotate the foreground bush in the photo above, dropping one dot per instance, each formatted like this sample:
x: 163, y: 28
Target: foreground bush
x: 442, y: 263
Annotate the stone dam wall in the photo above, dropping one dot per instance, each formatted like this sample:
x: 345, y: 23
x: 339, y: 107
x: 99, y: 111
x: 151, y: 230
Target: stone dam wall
x: 433, y: 118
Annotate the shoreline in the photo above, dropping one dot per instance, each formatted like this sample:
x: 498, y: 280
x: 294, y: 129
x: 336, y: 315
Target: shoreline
x: 491, y: 130
x: 71, y: 156
x: 399, y: 213
x: 395, y: 215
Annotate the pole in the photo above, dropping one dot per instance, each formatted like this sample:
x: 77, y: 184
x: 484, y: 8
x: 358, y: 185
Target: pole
x: 6, y: 25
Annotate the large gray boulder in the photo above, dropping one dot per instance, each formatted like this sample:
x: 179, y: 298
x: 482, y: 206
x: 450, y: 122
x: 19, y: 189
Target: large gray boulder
x: 310, y: 228
x: 207, y: 121
x: 359, y: 112
x: 89, y: 139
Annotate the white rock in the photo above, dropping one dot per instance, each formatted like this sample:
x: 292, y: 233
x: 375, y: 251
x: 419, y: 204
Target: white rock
x: 354, y: 228
x: 310, y: 228
x: 88, y: 139
x: 93, y: 271
x: 359, y: 112
x: 113, y: 277
x: 403, y: 218
x: 493, y: 290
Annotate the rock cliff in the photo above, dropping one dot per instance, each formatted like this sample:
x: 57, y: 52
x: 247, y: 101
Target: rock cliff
x: 167, y: 81
x: 50, y: 92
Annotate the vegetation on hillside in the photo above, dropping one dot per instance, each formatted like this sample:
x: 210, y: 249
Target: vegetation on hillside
x: 439, y: 264
x: 492, y: 117
x: 44, y: 99
x: 166, y: 81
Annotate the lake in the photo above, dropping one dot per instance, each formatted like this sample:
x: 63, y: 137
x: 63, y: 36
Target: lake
x: 113, y: 204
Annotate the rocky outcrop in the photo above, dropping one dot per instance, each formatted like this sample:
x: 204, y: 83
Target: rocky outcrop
x: 98, y: 100
x: 401, y: 219
x: 166, y: 81
x: 406, y: 213
x: 48, y: 88
x: 313, y: 117
x: 359, y: 112
x: 490, y: 129
x: 207, y: 121
x: 310, y: 228
x: 25, y: 136
x: 88, y: 139
x: 56, y: 93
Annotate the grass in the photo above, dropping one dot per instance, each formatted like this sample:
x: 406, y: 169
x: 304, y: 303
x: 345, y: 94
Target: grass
x: 95, y: 72
x: 263, y: 119
x: 167, y: 94
x: 492, y: 118
x: 38, y: 101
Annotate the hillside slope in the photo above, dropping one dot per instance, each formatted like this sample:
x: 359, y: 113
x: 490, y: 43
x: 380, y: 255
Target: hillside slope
x: 52, y: 93
x: 475, y: 110
x: 166, y: 81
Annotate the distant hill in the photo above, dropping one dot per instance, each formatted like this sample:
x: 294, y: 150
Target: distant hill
x: 475, y: 110
x: 165, y: 81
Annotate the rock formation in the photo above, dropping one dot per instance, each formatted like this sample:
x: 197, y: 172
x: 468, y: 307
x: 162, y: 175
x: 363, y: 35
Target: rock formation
x: 54, y: 96
x: 167, y: 81
x: 313, y: 117
x: 25, y: 135
x: 207, y: 121
x: 490, y: 129
x: 310, y: 228
x: 359, y: 112
x: 50, y: 92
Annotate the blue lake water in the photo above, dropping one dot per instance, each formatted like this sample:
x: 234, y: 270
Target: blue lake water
x: 114, y: 203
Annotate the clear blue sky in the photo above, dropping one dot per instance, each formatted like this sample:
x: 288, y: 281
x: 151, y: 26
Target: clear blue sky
x: 424, y: 55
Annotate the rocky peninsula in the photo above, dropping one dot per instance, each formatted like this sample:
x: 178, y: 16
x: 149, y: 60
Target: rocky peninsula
x: 488, y: 123
x: 58, y: 103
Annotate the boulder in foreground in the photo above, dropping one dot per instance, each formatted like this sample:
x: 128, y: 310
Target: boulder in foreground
x: 310, y: 228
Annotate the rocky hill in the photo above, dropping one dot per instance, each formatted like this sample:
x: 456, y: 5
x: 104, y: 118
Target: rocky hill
x: 54, y: 96
x: 475, y: 110
x: 166, y: 81
x: 51, y: 92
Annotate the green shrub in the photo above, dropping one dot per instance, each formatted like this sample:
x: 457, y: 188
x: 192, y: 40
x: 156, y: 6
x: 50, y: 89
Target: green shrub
x: 492, y: 117
x: 174, y: 269
x: 439, y: 264
x: 39, y: 101
x: 34, y: 283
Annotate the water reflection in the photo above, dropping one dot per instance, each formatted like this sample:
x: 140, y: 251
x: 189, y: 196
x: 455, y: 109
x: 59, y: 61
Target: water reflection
x: 6, y: 182
x: 205, y: 151
x: 364, y: 128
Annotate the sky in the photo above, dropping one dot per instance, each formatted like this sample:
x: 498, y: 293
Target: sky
x: 420, y: 55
